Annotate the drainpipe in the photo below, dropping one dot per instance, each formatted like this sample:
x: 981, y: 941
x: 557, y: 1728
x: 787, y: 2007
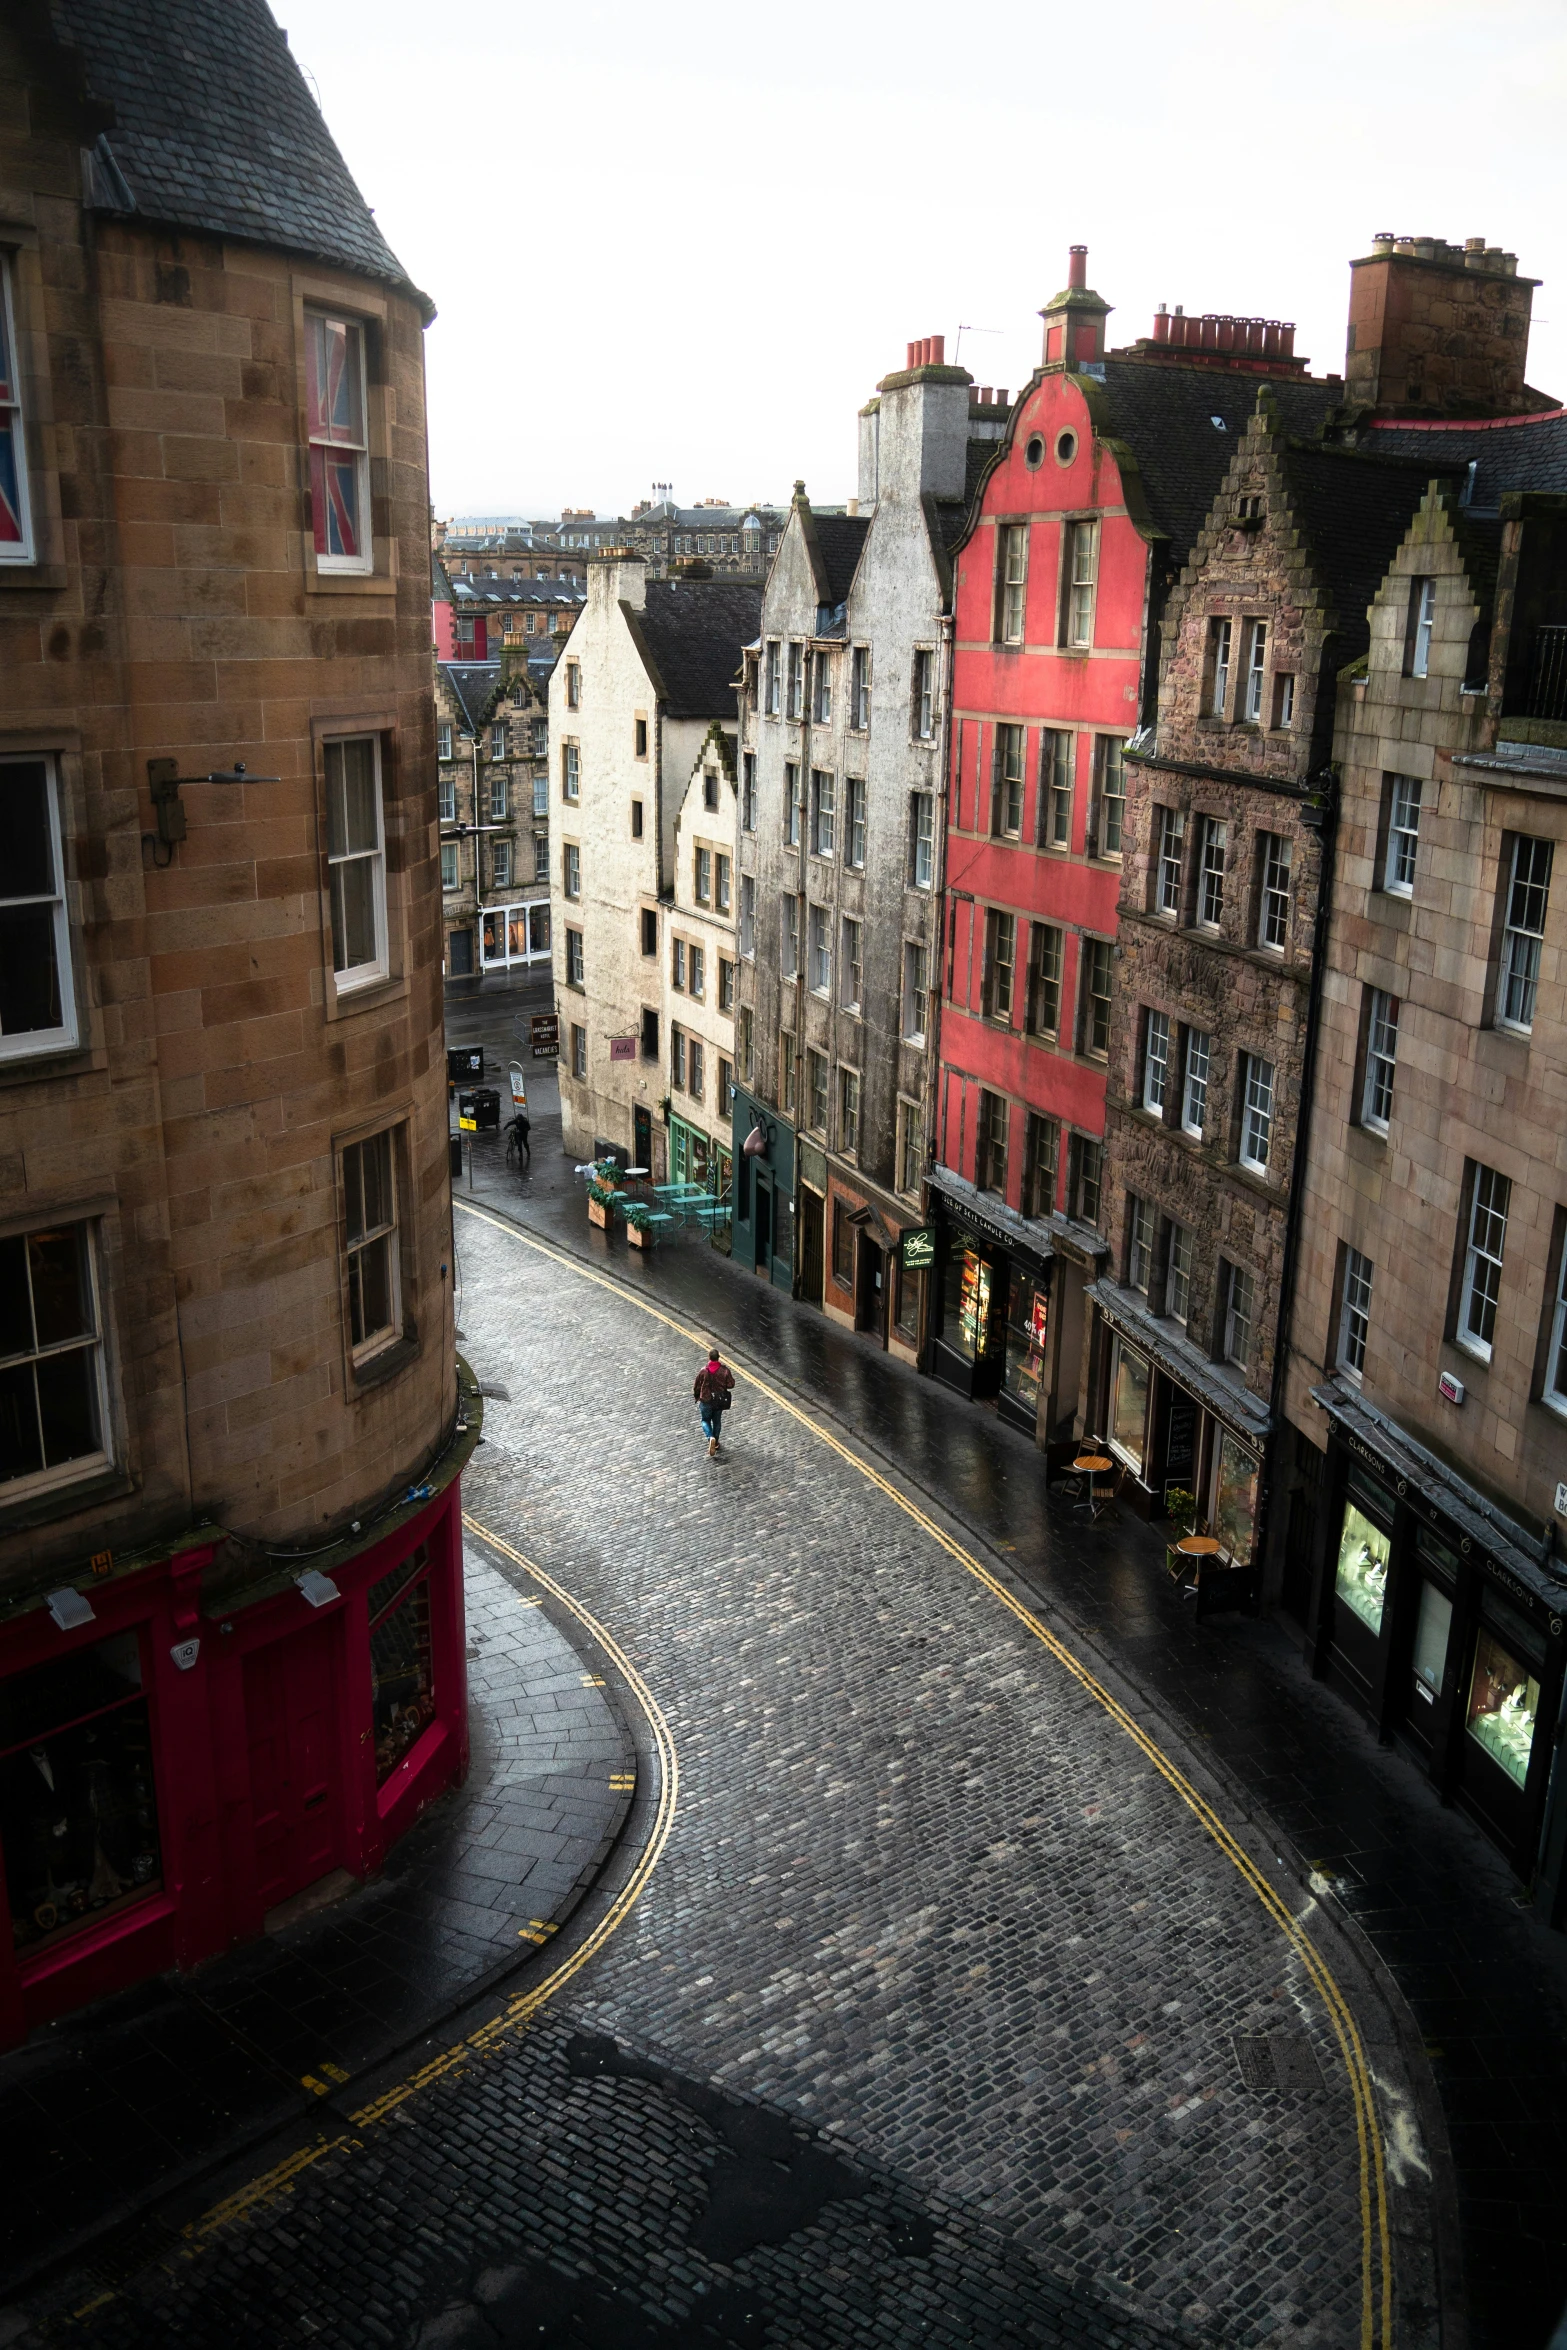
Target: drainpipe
x: 1323, y: 820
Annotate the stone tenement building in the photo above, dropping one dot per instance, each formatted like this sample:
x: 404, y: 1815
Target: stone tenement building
x: 230, y: 1568
x: 648, y: 670
x: 1223, y: 846
x: 844, y: 719
x: 492, y: 747
x: 1103, y: 475
x: 1427, y: 1374
x: 728, y: 539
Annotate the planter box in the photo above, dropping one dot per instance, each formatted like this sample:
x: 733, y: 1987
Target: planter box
x: 598, y: 1213
x: 637, y: 1237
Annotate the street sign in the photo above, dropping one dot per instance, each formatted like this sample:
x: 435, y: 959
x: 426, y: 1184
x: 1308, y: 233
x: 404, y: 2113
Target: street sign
x: 519, y: 1087
x: 469, y: 1125
x: 622, y: 1048
x: 544, y: 1029
x: 919, y: 1248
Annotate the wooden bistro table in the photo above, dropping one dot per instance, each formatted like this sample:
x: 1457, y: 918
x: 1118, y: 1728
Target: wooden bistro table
x: 1092, y: 1465
x: 1193, y: 1549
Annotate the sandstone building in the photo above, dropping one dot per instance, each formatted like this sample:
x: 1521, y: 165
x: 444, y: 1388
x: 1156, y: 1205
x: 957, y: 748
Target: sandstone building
x: 647, y: 675
x: 492, y: 753
x: 230, y: 1602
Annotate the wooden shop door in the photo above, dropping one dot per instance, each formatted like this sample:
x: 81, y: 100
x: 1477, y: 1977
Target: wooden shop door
x: 290, y: 1721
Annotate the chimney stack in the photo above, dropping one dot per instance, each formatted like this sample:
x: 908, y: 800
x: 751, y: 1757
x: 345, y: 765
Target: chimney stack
x: 1437, y: 329
x: 1075, y: 319
x: 1077, y: 267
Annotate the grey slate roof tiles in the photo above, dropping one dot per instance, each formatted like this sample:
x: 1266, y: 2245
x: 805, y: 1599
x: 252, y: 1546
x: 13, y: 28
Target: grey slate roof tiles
x: 1526, y: 456
x: 694, y: 630
x: 215, y: 129
x: 840, y: 538
x: 474, y: 686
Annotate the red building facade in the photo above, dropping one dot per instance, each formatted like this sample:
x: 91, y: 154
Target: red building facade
x: 1079, y: 529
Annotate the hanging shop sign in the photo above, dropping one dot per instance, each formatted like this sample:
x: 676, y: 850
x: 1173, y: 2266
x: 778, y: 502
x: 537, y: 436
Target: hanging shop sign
x: 544, y: 1029
x: 919, y: 1248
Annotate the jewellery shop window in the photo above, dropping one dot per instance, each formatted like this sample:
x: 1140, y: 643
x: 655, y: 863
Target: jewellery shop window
x: 78, y: 1811
x: 401, y: 1668
x: 1364, y: 1552
x: 1234, y: 1498
x: 966, y: 1304
x: 1027, y: 1311
x: 1504, y: 1695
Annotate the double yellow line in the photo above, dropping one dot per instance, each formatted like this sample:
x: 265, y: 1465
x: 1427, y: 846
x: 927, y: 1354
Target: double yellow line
x: 1376, y: 2267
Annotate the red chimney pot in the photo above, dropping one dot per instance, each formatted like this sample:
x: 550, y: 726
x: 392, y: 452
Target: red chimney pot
x: 1077, y: 265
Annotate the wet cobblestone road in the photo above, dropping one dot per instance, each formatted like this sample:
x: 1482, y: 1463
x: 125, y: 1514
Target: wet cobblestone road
x: 944, y: 2015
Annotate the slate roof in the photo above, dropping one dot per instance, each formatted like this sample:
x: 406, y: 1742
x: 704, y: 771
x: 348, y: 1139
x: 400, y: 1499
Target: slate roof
x: 215, y: 128
x: 1531, y: 455
x: 474, y: 686
x: 840, y: 538
x: 1166, y: 415
x: 693, y: 631
x: 1354, y: 511
x: 468, y: 590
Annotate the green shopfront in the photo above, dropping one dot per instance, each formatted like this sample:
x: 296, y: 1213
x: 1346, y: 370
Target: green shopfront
x: 763, y: 1184
x: 1442, y: 1621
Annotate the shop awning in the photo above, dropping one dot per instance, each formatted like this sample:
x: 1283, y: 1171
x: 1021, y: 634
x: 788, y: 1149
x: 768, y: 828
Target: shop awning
x: 1406, y: 1463
x: 1126, y: 1311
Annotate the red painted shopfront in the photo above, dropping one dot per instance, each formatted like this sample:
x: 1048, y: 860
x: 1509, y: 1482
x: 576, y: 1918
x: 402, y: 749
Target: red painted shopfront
x: 210, y: 1743
x: 1050, y: 614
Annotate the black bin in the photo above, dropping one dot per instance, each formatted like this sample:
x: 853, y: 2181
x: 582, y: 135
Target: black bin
x: 481, y: 1103
x: 464, y: 1062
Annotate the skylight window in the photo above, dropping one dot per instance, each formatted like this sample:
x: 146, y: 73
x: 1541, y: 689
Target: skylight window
x: 1218, y: 424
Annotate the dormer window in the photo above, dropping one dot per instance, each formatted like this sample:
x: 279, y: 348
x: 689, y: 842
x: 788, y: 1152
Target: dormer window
x: 1220, y: 635
x: 1256, y: 668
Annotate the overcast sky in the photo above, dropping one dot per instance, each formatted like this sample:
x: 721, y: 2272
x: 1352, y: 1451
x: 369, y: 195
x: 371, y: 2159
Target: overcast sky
x: 681, y: 242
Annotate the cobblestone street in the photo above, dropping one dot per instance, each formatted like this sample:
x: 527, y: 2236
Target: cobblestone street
x: 949, y: 2012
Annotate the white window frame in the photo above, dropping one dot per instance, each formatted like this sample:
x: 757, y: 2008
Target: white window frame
x: 382, y: 1234
x: 351, y: 976
x: 443, y: 739
x: 500, y: 739
x: 794, y: 680
x: 1376, y: 1092
x: 446, y: 798
x: 451, y: 877
x: 824, y: 811
x: 922, y: 840
x: 1139, y: 1242
x: 571, y: 869
x: 1082, y: 583
x: 1256, y: 669
x: 1213, y: 853
x: 1156, y: 1062
x: 821, y: 689
x: 1223, y: 647
x: 924, y: 696
x: 571, y: 773
x: 13, y: 423
x: 498, y: 799
x: 500, y: 864
x: 85, y: 1465
x: 1405, y: 796
x: 1422, y: 620
x: 819, y: 950
x: 1178, y: 1274
x: 1273, y: 895
x: 1523, y: 931
x: 327, y: 438
x: 860, y: 689
x: 849, y: 1111
x: 851, y: 962
x: 1354, y: 1314
x: 1283, y: 700
x: 723, y: 886
x: 1239, y: 1316
x: 916, y: 991
x: 1110, y: 813
x: 1490, y: 1203
x: 1012, y: 580
x: 854, y: 823
x: 27, y: 1043
x: 1171, y: 861
x: 771, y: 667
x: 748, y: 916
x: 541, y: 795
x: 1258, y: 1089
x: 794, y: 803
x: 1554, y: 1391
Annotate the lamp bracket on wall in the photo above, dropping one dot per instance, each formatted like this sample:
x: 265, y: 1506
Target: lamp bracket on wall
x: 164, y: 780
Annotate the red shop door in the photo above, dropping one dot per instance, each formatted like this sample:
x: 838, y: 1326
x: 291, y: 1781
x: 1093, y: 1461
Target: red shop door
x: 289, y: 1719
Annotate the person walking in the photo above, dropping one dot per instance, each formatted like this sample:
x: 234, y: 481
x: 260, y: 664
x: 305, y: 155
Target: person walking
x: 714, y: 1392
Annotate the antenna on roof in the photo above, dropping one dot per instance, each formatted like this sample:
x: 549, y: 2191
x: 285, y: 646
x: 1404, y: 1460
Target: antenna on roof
x: 973, y: 330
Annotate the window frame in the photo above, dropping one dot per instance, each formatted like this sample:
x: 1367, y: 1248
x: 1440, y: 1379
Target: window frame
x: 998, y: 980
x: 500, y: 865
x: 818, y: 949
x: 571, y: 774
x: 1177, y: 1271
x: 1008, y: 755
x: 1097, y: 957
x: 851, y: 962
x: 1553, y: 1388
x: 353, y: 978
x: 1192, y: 1080
x: 1406, y: 795
x: 854, y: 823
x: 1213, y: 833
x: 84, y: 1467
x: 1481, y: 1202
x: 1421, y: 626
x: 1046, y: 972
x: 848, y: 1111
x: 387, y: 1233
x: 824, y: 812
x: 1238, y: 1284
x: 1080, y: 583
x: 1258, y: 1112
x: 1041, y: 1164
x: 1221, y: 649
x: 1275, y: 854
x: 1254, y: 690
x: 1354, y: 1315
x: 576, y: 963
x: 916, y: 991
x: 1156, y: 1063
x: 860, y: 689
x: 922, y: 708
x: 1011, y: 582
x: 1522, y: 946
x: 66, y: 1035
x: 322, y: 436
x: 1379, y: 1073
x: 1058, y: 784
x: 13, y: 426
x: 991, y: 1138
x: 1169, y: 863
x: 922, y: 840
x: 1109, y: 806
x: 1139, y: 1242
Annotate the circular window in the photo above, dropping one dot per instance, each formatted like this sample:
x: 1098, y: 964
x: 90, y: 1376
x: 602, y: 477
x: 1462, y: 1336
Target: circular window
x: 1034, y: 453
x: 1066, y: 447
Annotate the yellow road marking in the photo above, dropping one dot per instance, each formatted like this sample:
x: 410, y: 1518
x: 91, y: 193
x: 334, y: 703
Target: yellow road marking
x: 1373, y: 2175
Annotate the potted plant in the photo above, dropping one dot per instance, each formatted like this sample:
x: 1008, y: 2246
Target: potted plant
x: 639, y: 1226
x: 601, y: 1191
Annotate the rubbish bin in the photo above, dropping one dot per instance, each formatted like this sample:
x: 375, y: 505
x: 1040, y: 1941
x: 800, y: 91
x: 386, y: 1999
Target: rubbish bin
x: 464, y: 1062
x: 482, y: 1105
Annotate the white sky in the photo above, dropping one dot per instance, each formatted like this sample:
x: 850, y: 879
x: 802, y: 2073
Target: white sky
x: 680, y: 242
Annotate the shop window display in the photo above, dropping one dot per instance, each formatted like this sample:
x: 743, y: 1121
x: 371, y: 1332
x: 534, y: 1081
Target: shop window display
x: 1027, y: 1309
x: 967, y: 1303
x: 1235, y: 1499
x: 401, y: 1664
x: 1363, y: 1555
x: 1504, y: 1698
x: 1129, y: 1405
x: 78, y: 1812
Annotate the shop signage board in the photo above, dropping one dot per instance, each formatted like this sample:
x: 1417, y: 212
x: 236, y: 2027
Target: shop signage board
x: 621, y: 1048
x: 919, y: 1248
x: 544, y: 1029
